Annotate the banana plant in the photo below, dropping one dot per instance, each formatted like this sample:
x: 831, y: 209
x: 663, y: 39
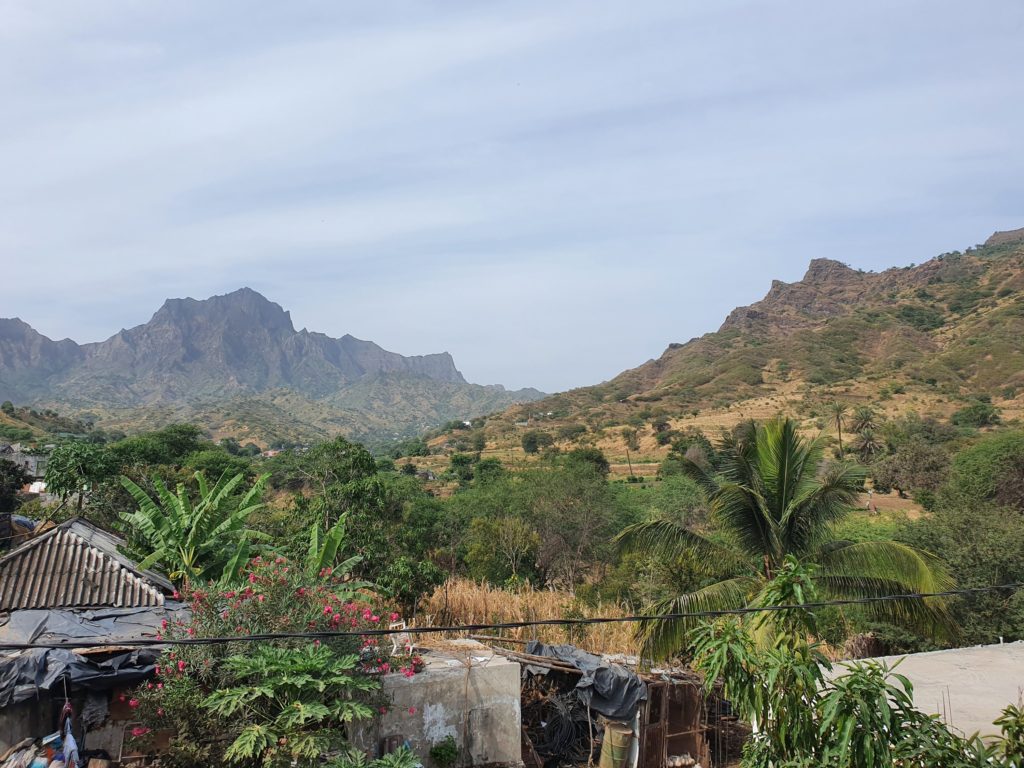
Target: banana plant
x: 196, y: 540
x: 324, y: 547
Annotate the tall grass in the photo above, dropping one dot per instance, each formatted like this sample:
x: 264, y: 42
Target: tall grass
x: 463, y: 602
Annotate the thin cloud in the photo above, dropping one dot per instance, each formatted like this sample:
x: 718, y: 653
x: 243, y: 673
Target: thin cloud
x: 550, y: 192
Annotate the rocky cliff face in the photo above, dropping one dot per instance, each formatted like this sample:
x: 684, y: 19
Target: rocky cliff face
x: 29, y: 360
x: 239, y: 344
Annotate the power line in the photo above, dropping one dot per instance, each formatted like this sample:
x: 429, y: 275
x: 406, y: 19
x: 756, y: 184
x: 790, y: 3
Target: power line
x: 329, y: 635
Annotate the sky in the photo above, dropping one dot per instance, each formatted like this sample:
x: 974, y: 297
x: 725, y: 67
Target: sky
x: 551, y: 191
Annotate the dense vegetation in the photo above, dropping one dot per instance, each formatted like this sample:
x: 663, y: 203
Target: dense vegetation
x: 862, y: 717
x: 735, y: 519
x: 693, y: 537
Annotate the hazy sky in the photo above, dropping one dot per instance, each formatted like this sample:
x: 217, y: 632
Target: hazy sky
x: 551, y: 191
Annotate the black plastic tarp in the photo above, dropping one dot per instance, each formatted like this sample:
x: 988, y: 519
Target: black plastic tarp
x: 102, y: 625
x: 23, y: 673
x: 609, y: 689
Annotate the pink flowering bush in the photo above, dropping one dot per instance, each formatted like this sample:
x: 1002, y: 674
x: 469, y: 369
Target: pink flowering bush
x: 270, y: 703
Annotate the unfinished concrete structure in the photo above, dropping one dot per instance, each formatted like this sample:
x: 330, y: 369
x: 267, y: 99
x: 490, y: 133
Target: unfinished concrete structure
x: 465, y: 691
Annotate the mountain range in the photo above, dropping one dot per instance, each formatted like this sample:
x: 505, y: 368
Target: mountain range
x: 235, y: 363
x: 928, y: 337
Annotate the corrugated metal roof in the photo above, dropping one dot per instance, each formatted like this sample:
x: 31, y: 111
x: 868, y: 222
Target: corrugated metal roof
x: 76, y: 565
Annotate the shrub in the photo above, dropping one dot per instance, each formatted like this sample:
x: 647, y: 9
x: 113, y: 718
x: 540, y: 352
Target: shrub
x: 979, y: 414
x: 992, y: 470
x: 922, y: 318
x: 534, y: 440
x: 445, y: 753
x: 571, y: 431
x: 283, y: 703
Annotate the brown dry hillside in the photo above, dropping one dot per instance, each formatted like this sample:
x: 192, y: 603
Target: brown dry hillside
x: 927, y: 338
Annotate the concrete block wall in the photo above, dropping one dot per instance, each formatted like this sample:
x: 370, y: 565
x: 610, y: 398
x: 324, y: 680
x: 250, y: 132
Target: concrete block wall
x: 472, y: 695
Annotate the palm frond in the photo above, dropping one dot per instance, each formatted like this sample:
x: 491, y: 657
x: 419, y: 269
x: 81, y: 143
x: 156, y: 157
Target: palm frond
x: 880, y: 568
x: 665, y: 638
x: 700, y: 474
x: 916, y: 570
x: 822, y: 502
x: 667, y: 540
x: 931, y: 616
x: 783, y: 459
x: 741, y: 510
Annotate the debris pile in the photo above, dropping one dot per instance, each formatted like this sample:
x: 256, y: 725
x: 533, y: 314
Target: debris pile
x: 555, y: 722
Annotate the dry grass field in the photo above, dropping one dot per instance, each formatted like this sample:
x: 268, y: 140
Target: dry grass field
x: 465, y: 602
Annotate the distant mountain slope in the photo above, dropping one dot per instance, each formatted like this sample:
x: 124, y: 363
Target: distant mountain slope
x: 238, y: 360
x: 939, y: 331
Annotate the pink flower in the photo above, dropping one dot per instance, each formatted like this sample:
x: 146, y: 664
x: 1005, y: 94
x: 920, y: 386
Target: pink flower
x: 191, y: 631
x: 252, y: 578
x: 261, y: 598
x: 230, y: 594
x: 412, y: 710
x: 133, y: 703
x: 328, y: 610
x: 408, y: 671
x: 156, y: 670
x: 160, y: 712
x: 176, y: 594
x: 181, y: 666
x: 159, y: 636
x: 375, y: 618
x: 163, y: 624
x: 149, y: 686
x: 394, y: 616
x: 139, y: 730
x: 159, y: 686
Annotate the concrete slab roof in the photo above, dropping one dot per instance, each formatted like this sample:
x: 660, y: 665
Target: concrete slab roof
x: 967, y: 687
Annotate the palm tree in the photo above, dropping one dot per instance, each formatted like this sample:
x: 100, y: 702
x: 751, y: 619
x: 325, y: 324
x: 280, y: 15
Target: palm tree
x: 864, y: 419
x: 868, y: 446
x: 774, y: 498
x: 201, y: 540
x: 838, y: 412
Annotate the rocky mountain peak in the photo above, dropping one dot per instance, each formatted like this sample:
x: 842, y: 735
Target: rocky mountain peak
x: 240, y: 345
x: 825, y: 289
x: 828, y: 270
x: 1006, y: 237
x: 242, y: 308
